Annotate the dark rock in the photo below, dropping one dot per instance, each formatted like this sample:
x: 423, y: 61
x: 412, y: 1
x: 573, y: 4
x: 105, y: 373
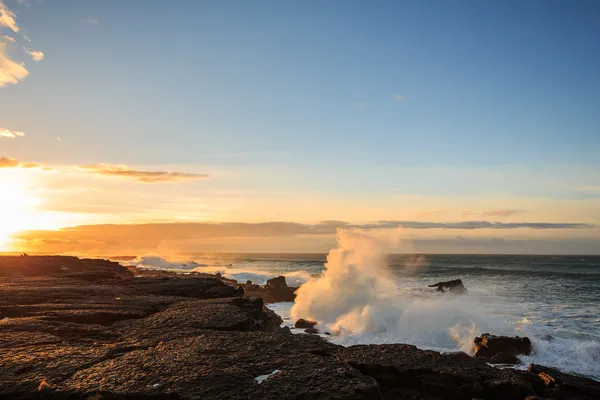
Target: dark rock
x: 508, y: 388
x: 201, y: 288
x: 503, y: 347
x: 304, y: 324
x: 276, y: 290
x: 501, y: 358
x: 61, y: 266
x: 565, y: 386
x: 405, y: 372
x: 311, y: 331
x: 456, y: 286
x: 278, y: 282
x: 160, y: 336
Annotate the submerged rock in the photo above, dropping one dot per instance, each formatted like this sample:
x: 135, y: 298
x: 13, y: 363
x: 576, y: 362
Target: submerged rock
x: 456, y: 286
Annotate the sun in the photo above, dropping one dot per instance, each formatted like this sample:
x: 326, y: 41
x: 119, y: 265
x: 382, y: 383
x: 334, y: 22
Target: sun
x: 17, y: 206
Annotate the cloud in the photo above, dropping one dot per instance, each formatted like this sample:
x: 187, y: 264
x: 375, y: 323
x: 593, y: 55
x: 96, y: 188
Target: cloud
x: 399, y: 97
x: 36, y: 55
x: 10, y: 71
x: 493, y: 213
x: 210, y: 236
x: 9, y: 39
x: 141, y: 176
x: 111, y: 170
x: 5, y: 133
x: 6, y: 162
x: 8, y: 18
x: 501, y: 213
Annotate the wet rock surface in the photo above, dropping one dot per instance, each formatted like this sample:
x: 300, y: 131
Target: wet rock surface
x: 276, y: 290
x: 163, y: 337
x: 501, y: 349
x: 455, y: 286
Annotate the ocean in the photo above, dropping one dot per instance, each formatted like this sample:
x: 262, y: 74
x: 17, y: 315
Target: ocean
x: 554, y: 300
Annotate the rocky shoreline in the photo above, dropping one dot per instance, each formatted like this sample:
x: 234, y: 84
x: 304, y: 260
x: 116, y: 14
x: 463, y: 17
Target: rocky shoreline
x: 93, y: 329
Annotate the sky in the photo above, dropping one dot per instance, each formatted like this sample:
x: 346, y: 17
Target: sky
x: 265, y: 126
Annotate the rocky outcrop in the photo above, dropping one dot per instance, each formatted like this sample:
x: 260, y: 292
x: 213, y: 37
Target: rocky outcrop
x: 157, y: 338
x: 560, y: 385
x: 456, y: 286
x: 275, y: 290
x: 62, y: 266
x: 501, y: 349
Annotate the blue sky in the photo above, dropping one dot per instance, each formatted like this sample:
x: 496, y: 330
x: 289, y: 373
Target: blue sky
x: 487, y: 100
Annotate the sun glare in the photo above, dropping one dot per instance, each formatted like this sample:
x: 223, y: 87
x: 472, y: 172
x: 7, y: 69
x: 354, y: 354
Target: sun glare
x: 20, y: 208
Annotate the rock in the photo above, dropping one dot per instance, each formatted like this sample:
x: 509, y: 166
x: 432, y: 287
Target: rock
x: 561, y: 385
x: 304, y: 324
x: 202, y: 288
x: 502, y: 347
x: 62, y: 266
x: 163, y: 336
x: 405, y: 372
x: 456, y: 286
x: 276, y: 290
x: 278, y: 282
x: 501, y: 358
x: 311, y: 331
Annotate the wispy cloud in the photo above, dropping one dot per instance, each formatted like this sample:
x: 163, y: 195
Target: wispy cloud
x: 493, y: 213
x: 141, y: 176
x: 6, y: 162
x: 110, y: 170
x: 8, y: 18
x: 36, y: 55
x: 399, y: 97
x: 9, y: 39
x: 10, y: 72
x: 5, y: 133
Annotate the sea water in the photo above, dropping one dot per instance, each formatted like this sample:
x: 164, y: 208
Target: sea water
x: 555, y: 300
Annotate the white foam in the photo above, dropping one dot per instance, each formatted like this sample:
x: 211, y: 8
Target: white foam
x: 241, y: 275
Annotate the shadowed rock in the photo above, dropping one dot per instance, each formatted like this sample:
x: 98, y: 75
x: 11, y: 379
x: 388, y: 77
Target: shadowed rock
x: 276, y: 290
x: 501, y: 349
x: 304, y: 324
x: 456, y: 286
x: 168, y: 337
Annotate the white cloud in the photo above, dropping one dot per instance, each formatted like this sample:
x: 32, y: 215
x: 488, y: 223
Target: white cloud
x: 399, y: 97
x: 8, y: 18
x: 10, y: 71
x: 36, y: 55
x: 9, y: 39
x: 5, y: 133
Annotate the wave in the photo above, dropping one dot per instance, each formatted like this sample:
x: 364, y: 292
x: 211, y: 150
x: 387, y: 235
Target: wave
x: 239, y: 274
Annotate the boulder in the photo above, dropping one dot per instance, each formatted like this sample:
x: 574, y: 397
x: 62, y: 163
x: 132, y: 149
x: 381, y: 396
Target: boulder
x: 456, y: 286
x: 501, y: 348
x: 311, y: 331
x: 304, y: 324
x: 276, y: 290
x: 278, y: 282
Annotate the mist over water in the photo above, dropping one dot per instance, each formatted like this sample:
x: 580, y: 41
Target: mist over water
x: 366, y: 296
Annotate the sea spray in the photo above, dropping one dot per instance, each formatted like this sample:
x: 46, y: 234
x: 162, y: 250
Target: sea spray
x: 359, y: 299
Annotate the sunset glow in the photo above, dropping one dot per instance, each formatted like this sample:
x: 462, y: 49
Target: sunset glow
x: 232, y: 138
